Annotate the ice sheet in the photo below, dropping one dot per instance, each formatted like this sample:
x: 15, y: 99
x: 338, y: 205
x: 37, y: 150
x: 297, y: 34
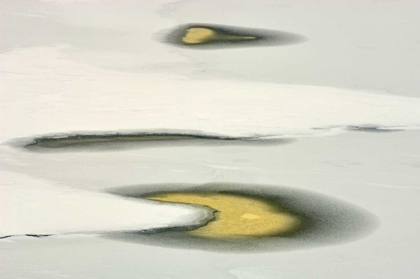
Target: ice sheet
x: 85, y: 66
x: 352, y: 167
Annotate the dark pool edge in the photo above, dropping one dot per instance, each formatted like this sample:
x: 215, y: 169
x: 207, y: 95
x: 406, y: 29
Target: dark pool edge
x: 109, y: 140
x: 264, y: 37
x: 334, y: 221
x: 117, y: 140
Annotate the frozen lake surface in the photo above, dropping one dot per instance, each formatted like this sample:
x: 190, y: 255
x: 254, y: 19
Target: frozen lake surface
x: 334, y: 115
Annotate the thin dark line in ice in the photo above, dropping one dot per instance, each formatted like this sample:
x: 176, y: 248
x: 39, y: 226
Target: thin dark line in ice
x: 120, y: 140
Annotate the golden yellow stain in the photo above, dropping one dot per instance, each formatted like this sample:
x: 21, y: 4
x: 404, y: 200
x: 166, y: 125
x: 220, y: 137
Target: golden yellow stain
x: 200, y: 35
x: 236, y: 216
x: 250, y: 216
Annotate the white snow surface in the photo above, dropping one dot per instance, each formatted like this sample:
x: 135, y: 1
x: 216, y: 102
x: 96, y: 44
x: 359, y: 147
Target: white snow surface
x: 88, y: 66
x: 46, y: 94
x: 34, y: 206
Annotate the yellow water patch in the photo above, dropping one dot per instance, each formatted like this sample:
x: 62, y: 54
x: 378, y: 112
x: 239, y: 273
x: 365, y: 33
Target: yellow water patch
x: 250, y: 216
x: 200, y: 35
x: 236, y: 215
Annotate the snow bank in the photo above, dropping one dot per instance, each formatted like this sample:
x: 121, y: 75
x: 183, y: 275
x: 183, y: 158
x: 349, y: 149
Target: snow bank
x: 33, y: 206
x: 45, y: 94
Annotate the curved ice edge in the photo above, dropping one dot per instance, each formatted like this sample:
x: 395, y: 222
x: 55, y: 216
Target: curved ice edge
x: 335, y: 130
x: 188, y: 134
x: 203, y: 135
x: 28, y: 234
x: 201, y: 221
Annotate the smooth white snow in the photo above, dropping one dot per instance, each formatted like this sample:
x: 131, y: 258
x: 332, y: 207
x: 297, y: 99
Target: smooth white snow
x: 34, y: 206
x: 46, y: 94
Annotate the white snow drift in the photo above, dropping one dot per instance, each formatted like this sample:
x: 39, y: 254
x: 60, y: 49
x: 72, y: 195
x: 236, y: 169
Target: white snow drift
x: 33, y: 206
x: 45, y: 94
